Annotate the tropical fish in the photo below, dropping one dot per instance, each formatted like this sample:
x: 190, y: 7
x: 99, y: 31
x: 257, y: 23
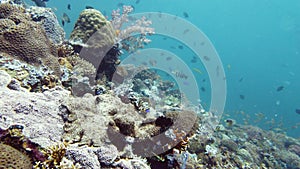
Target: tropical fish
x: 186, y: 31
x: 185, y: 14
x: 180, y: 46
x: 202, y: 89
x: 39, y: 3
x: 89, y: 7
x: 69, y: 6
x: 66, y: 18
x: 197, y: 70
x: 229, y: 122
x: 279, y: 88
x: 206, y: 58
x: 180, y: 74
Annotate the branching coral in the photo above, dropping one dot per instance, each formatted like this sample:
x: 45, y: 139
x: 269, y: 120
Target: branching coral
x: 125, y: 35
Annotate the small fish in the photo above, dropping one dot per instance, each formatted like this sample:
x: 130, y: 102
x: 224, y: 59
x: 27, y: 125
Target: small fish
x: 137, y: 1
x: 39, y: 3
x: 297, y: 111
x: 241, y: 79
x: 180, y: 46
x: 172, y: 47
x: 186, y: 31
x: 242, y: 97
x: 203, y: 80
x: 206, y: 58
x: 169, y: 58
x: 180, y: 74
x: 202, y: 89
x: 197, y: 70
x: 69, y: 6
x: 66, y: 18
x: 89, y: 7
x: 186, y: 15
x: 194, y: 61
x: 63, y: 22
x: 229, y: 122
x: 279, y: 88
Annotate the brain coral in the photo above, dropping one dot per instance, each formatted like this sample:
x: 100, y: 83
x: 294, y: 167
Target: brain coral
x: 24, y: 39
x: 12, y: 158
x: 95, y: 32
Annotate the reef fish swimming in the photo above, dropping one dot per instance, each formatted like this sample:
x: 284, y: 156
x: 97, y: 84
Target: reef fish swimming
x: 65, y: 19
x: 297, y: 111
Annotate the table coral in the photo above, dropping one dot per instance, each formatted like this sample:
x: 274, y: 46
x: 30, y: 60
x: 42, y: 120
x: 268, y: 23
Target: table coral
x: 23, y: 39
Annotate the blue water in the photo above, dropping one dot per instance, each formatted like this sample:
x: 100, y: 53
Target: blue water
x: 258, y: 42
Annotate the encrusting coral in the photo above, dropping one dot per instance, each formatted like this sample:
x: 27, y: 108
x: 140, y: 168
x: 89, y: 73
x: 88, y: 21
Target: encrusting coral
x: 24, y: 39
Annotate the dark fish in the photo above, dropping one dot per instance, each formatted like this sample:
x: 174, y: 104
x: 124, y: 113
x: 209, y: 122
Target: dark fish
x: 206, y: 58
x: 279, y: 88
x: 297, y: 111
x: 241, y: 79
x: 89, y: 7
x: 169, y: 58
x: 39, y: 3
x: 202, y: 89
x: 194, y: 61
x: 186, y: 31
x: 242, y: 97
x: 165, y: 38
x: 66, y: 18
x: 186, y: 15
x: 203, y: 80
x: 137, y: 1
x: 63, y: 22
x: 180, y: 46
x: 69, y: 6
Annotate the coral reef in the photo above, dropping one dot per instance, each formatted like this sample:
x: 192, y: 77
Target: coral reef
x: 93, y: 32
x: 37, y: 111
x: 12, y: 158
x: 126, y: 34
x: 23, y: 39
x: 47, y: 18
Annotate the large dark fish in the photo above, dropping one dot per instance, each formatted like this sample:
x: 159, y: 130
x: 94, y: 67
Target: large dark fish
x: 69, y: 6
x: 279, y: 88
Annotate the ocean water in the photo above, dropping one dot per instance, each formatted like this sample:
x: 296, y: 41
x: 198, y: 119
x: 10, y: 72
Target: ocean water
x: 257, y: 41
